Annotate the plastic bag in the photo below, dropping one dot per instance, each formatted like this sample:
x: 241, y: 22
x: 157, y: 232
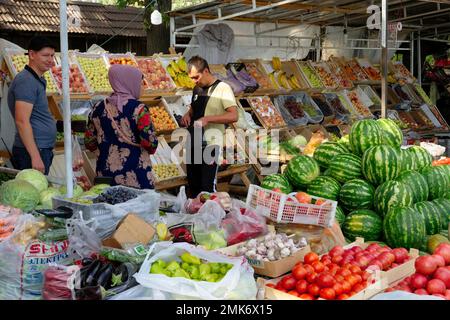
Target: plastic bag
x: 141, y: 293
x: 59, y: 282
x: 238, y: 283
x: 145, y: 205
x: 243, y: 223
x: 83, y: 239
x: 77, y: 156
x: 194, y: 205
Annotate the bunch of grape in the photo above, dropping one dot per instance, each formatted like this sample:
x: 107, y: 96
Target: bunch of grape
x: 115, y: 196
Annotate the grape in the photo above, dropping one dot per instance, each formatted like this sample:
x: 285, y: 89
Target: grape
x: 115, y: 196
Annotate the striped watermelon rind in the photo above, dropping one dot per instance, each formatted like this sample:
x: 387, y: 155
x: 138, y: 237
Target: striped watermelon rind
x: 431, y: 216
x: 391, y: 133
x: 363, y: 223
x: 301, y: 171
x: 364, y: 134
x: 324, y: 187
x: 407, y: 160
x: 327, y: 151
x: 417, y: 183
x: 276, y: 181
x: 392, y: 194
x: 340, y: 215
x: 438, y: 181
x: 421, y: 157
x: 380, y: 164
x: 345, y: 167
x: 404, y: 227
x: 357, y: 194
x: 443, y: 206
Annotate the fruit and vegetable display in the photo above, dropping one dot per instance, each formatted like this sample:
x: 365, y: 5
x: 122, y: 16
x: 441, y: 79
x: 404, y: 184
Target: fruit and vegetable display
x: 161, y: 119
x: 271, y: 247
x: 263, y: 81
x: 95, y: 71
x: 401, y: 72
x: 310, y: 108
x: 164, y: 171
x: 293, y: 106
x: 8, y: 219
x: 156, y: 77
x: 21, y: 60
x: 191, y: 267
x: 77, y: 83
x: 358, y: 104
x: 325, y: 74
x: 432, y: 275
x: 322, y: 278
x: 357, y: 70
x: 339, y: 73
x: 122, y: 59
x: 177, y: 69
x: 310, y: 74
x: 267, y: 111
x: 323, y: 105
x: 336, y: 104
x: 373, y: 73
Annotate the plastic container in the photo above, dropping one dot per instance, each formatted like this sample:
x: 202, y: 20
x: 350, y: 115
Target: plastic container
x: 276, y: 207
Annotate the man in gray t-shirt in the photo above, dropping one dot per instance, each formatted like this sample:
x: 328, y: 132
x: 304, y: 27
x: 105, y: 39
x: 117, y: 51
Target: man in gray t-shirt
x: 27, y: 100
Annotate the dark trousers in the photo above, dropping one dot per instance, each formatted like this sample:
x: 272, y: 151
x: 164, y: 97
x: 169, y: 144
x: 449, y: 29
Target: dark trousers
x: 22, y: 160
x: 202, y: 176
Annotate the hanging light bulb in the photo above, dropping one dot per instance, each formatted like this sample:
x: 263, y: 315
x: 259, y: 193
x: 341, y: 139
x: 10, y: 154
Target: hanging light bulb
x: 156, y: 17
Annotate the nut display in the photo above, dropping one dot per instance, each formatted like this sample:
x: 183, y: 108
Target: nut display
x: 161, y: 119
x: 96, y: 73
x: 155, y: 75
x: 267, y: 111
x: 21, y: 60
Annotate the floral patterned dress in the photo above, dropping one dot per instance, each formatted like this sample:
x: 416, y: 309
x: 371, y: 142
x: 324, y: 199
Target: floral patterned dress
x: 123, y: 146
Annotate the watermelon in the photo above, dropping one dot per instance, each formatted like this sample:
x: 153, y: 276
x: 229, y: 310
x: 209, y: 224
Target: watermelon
x: 431, y: 216
x: 345, y: 166
x: 344, y: 141
x: 404, y: 227
x: 276, y: 181
x: 392, y: 194
x: 443, y: 206
x: 357, y: 194
x: 365, y: 134
x: 417, y: 183
x: 324, y: 187
x: 362, y: 223
x: 391, y: 133
x: 326, y: 152
x: 301, y: 171
x: 340, y: 215
x: 421, y: 157
x: 438, y: 181
x: 446, y: 195
x: 380, y: 164
x: 407, y: 160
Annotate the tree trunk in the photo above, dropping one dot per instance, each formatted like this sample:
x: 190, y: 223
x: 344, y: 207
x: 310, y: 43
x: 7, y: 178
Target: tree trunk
x: 158, y: 37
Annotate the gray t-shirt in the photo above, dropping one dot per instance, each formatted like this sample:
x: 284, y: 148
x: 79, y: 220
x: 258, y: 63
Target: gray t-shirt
x: 27, y: 86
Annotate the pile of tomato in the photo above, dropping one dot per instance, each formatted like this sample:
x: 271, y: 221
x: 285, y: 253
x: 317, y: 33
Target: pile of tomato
x: 316, y: 278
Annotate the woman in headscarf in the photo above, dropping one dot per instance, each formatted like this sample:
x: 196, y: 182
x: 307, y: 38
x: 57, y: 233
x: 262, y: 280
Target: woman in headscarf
x: 121, y: 133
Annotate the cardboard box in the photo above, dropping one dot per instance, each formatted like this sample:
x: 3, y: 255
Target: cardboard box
x: 271, y: 269
x: 132, y: 229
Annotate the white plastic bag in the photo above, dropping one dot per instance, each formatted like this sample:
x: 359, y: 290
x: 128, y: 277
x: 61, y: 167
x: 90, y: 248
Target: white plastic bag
x: 238, y: 283
x: 83, y: 239
x: 145, y: 205
x: 209, y: 216
x: 141, y: 293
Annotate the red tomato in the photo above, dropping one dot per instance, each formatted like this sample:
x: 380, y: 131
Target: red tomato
x: 436, y: 286
x: 288, y: 282
x: 311, y: 277
x: 294, y: 293
x: 325, y: 257
x: 344, y: 272
x: 338, y: 288
x: 318, y: 266
x: 358, y: 287
x: 358, y: 277
x: 343, y: 296
x: 309, y: 268
x: 357, y: 249
x: 310, y: 257
x: 401, y: 254
x: 421, y: 292
x: 352, y: 293
x: 313, y: 289
x: 299, y: 272
x: 302, y: 286
x: 327, y: 293
x: 326, y: 262
x: 444, y: 251
x: 439, y: 260
x: 355, y: 269
x: 333, y: 269
x: 425, y: 265
x: 443, y: 274
x: 339, y: 278
x: 337, y: 259
x: 306, y: 296
x: 352, y: 280
x: 325, y: 280
x: 336, y: 251
x: 270, y: 285
x: 418, y: 281
x: 346, y: 286
x: 365, y: 275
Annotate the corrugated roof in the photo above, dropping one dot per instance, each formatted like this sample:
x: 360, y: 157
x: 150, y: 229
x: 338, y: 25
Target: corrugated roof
x: 43, y: 16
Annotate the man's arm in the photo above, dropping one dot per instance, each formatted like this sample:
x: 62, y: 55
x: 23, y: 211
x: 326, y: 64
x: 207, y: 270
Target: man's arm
x: 230, y: 116
x: 22, y: 117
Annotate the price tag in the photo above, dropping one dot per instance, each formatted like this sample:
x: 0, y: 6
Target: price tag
x: 256, y: 263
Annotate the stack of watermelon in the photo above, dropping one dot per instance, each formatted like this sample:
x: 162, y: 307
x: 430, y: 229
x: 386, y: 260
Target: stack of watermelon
x: 384, y: 192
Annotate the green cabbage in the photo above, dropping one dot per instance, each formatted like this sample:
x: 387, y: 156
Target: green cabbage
x: 35, y: 177
x: 77, y: 190
x: 19, y: 194
x: 46, y: 197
